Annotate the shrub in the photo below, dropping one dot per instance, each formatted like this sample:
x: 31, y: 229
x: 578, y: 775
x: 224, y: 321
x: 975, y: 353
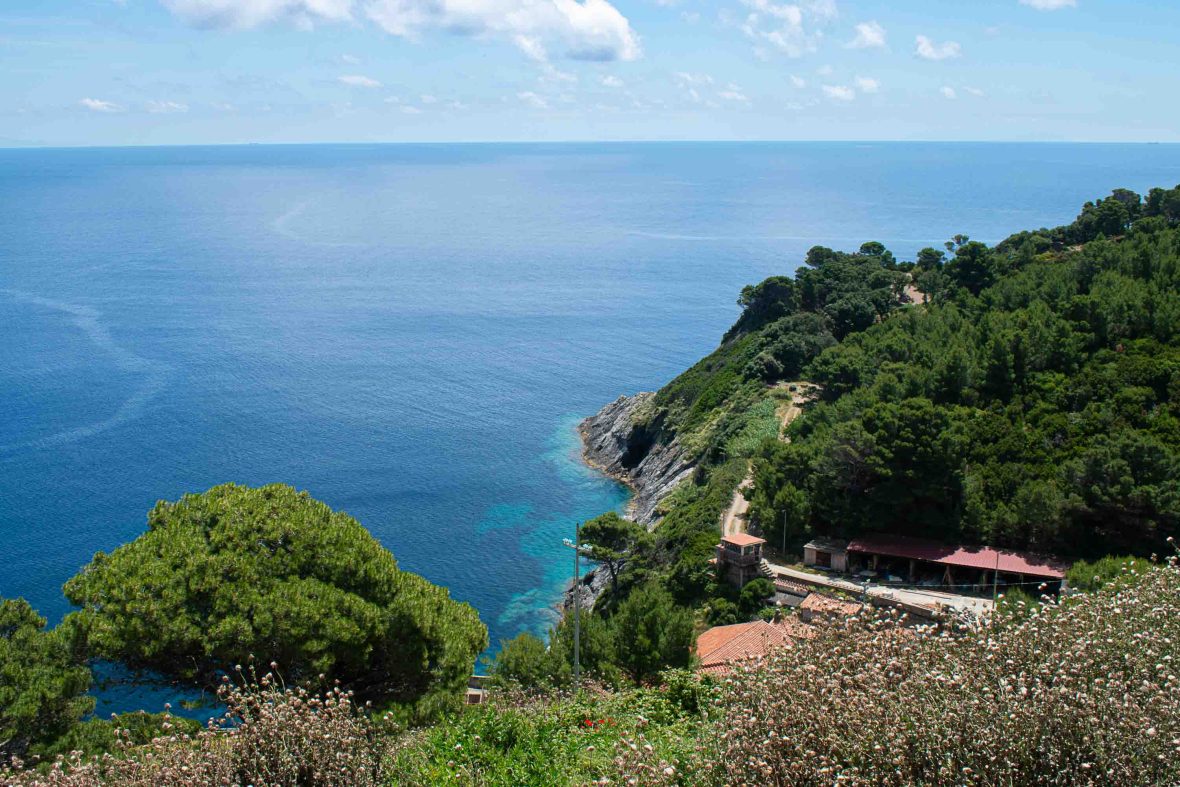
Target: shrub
x: 270, y: 571
x: 269, y: 735
x: 1084, y: 692
x: 42, y: 683
x: 1090, y: 577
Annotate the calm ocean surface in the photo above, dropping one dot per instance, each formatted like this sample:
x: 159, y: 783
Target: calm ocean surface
x: 411, y: 333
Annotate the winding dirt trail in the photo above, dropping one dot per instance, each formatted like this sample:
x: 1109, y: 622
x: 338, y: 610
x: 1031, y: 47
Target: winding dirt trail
x: 734, y: 518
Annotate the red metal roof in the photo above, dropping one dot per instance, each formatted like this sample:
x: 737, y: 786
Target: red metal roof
x: 743, y: 539
x: 985, y: 558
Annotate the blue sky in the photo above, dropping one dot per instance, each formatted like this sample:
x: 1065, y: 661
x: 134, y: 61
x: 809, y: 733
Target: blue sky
x: 116, y: 72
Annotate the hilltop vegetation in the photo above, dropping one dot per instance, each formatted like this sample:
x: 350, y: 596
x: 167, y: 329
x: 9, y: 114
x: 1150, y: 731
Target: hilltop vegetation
x: 1026, y: 395
x: 236, y: 571
x: 1083, y: 692
x: 1033, y: 403
x: 218, y: 579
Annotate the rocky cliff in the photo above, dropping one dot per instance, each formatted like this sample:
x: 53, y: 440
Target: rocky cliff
x: 624, y: 442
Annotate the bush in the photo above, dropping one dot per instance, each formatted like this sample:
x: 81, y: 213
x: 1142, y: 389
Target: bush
x: 1090, y: 577
x: 42, y: 683
x: 269, y: 735
x: 1078, y: 693
x: 270, y: 571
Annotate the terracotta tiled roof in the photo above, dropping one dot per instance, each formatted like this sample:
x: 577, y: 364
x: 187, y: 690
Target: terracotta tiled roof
x: 984, y: 558
x: 725, y: 645
x: 818, y: 602
x: 742, y: 539
x: 787, y: 586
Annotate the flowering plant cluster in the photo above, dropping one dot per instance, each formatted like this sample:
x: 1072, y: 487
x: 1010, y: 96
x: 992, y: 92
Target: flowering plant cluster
x: 1084, y: 690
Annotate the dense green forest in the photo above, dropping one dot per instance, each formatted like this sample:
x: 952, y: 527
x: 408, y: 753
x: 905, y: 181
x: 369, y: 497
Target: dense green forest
x: 1026, y: 395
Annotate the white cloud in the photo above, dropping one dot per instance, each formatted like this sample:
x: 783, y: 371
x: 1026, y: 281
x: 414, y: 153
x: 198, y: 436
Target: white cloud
x: 867, y: 84
x: 533, y: 100
x: 244, y: 14
x: 1050, y: 5
x: 358, y: 80
x: 611, y: 80
x: 791, y: 28
x: 532, y: 47
x: 580, y: 29
x: 869, y: 35
x: 351, y: 60
x: 551, y: 74
x: 839, y: 92
x: 733, y: 93
x: 825, y: 71
x: 928, y: 50
x: 978, y: 93
x: 798, y: 81
x: 426, y: 98
x: 98, y: 105
x: 166, y: 107
x: 687, y: 78
x: 408, y: 110
x: 948, y: 92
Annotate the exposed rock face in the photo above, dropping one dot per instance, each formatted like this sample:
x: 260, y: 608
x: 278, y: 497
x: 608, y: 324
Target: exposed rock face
x: 640, y: 455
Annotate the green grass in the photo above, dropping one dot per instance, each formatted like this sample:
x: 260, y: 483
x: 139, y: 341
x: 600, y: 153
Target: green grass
x: 551, y: 741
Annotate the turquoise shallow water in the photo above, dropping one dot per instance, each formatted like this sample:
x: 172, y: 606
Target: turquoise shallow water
x: 412, y: 332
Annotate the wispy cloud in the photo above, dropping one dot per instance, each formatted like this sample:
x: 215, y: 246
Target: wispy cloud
x: 869, y: 35
x: 98, y: 105
x: 798, y: 81
x: 974, y: 91
x: 358, y: 80
x: 733, y: 93
x: 790, y: 28
x: 867, y: 84
x: 610, y: 80
x: 166, y: 107
x: 1050, y: 5
x: 839, y: 92
x: 929, y: 50
x: 532, y: 99
x: 948, y: 92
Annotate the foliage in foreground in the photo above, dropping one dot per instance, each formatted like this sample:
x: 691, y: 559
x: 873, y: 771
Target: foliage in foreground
x: 238, y: 571
x: 1081, y: 692
x: 646, y: 634
x: 42, y: 681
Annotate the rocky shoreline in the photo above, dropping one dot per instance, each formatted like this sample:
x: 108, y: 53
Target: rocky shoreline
x: 636, y: 452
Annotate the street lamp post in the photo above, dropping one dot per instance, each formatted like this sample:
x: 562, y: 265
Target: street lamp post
x: 577, y: 547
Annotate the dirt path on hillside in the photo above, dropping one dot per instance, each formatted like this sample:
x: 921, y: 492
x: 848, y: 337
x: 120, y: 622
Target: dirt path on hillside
x: 735, y: 517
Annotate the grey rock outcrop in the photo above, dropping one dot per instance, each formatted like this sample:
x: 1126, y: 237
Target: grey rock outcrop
x: 637, y: 452
x: 640, y: 454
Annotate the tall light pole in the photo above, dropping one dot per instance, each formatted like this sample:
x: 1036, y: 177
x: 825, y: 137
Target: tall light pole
x: 577, y: 547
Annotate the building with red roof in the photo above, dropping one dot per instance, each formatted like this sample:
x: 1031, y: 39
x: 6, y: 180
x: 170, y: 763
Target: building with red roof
x: 722, y: 648
x: 739, y: 556
x: 1006, y: 561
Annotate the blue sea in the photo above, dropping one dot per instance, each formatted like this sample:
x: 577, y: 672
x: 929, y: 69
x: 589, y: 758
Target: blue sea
x: 412, y: 332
